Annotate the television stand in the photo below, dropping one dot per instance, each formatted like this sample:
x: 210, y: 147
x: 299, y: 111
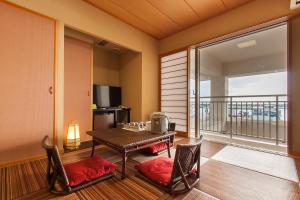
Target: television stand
x: 116, y: 111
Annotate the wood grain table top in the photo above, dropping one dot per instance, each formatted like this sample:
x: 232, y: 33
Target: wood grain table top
x: 125, y: 138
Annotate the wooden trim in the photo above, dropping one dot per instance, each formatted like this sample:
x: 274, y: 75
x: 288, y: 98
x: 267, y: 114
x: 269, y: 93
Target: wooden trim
x: 290, y: 131
x: 292, y: 16
x: 8, y: 164
x: 91, y: 88
x: 159, y: 82
x: 289, y: 93
x: 188, y: 94
x: 174, y: 51
x: 22, y: 161
x: 55, y: 86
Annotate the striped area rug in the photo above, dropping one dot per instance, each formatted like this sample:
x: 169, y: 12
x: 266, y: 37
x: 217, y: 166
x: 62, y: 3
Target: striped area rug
x: 28, y: 181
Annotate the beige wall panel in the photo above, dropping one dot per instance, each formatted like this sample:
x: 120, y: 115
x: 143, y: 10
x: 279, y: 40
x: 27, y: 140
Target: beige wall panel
x: 130, y: 83
x: 106, y: 69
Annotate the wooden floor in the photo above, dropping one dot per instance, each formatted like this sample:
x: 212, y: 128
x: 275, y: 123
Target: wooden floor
x: 218, y: 179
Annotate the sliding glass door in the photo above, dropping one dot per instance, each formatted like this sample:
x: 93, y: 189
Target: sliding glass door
x: 238, y: 87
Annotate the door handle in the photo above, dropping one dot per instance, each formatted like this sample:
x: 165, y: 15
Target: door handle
x: 88, y: 93
x: 51, y: 90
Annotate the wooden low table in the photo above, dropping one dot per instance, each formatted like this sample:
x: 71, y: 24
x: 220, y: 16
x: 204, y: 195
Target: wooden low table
x: 125, y: 141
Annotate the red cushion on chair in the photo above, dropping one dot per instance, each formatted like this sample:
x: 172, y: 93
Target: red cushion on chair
x: 88, y: 169
x: 158, y: 170
x: 158, y: 147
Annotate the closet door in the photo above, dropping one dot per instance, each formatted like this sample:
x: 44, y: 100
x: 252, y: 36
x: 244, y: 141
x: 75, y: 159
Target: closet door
x: 77, y: 85
x: 26, y: 82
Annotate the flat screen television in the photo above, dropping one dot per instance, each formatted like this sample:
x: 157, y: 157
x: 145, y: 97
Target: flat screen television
x: 107, y: 96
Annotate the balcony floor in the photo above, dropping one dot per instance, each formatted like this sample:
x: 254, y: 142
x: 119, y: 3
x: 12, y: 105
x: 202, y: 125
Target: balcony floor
x: 258, y: 134
x: 221, y: 180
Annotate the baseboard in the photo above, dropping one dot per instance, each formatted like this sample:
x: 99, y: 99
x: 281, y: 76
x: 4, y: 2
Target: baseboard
x: 83, y: 145
x: 29, y: 159
x: 16, y: 162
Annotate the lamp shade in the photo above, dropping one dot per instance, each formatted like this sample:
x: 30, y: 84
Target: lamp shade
x: 73, y: 137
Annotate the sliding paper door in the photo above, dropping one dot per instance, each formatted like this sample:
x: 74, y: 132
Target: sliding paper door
x: 26, y: 82
x: 174, y: 89
x: 77, y: 85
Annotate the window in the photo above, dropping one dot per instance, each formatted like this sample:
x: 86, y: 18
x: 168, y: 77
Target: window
x: 174, y: 87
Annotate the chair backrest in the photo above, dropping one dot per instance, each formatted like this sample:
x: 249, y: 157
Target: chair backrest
x: 186, y: 157
x: 55, y: 164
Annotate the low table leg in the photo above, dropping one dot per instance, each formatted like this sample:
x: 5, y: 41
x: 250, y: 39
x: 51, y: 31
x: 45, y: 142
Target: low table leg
x: 168, y: 145
x: 124, y: 165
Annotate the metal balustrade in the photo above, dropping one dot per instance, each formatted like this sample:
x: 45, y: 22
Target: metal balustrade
x: 257, y: 116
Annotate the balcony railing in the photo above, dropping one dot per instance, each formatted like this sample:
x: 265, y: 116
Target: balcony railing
x: 260, y: 116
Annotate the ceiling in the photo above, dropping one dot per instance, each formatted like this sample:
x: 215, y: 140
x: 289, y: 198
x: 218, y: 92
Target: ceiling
x: 162, y: 18
x: 269, y: 42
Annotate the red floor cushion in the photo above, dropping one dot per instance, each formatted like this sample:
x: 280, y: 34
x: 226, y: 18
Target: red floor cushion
x: 88, y: 169
x: 158, y: 147
x: 158, y: 170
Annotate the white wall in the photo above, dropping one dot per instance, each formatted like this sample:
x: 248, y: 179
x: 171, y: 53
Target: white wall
x: 211, y: 69
x: 210, y: 65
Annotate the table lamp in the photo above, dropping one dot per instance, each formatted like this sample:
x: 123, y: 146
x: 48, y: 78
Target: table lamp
x: 73, y: 137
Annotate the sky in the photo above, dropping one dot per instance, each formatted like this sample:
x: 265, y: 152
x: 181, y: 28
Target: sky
x: 263, y: 84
